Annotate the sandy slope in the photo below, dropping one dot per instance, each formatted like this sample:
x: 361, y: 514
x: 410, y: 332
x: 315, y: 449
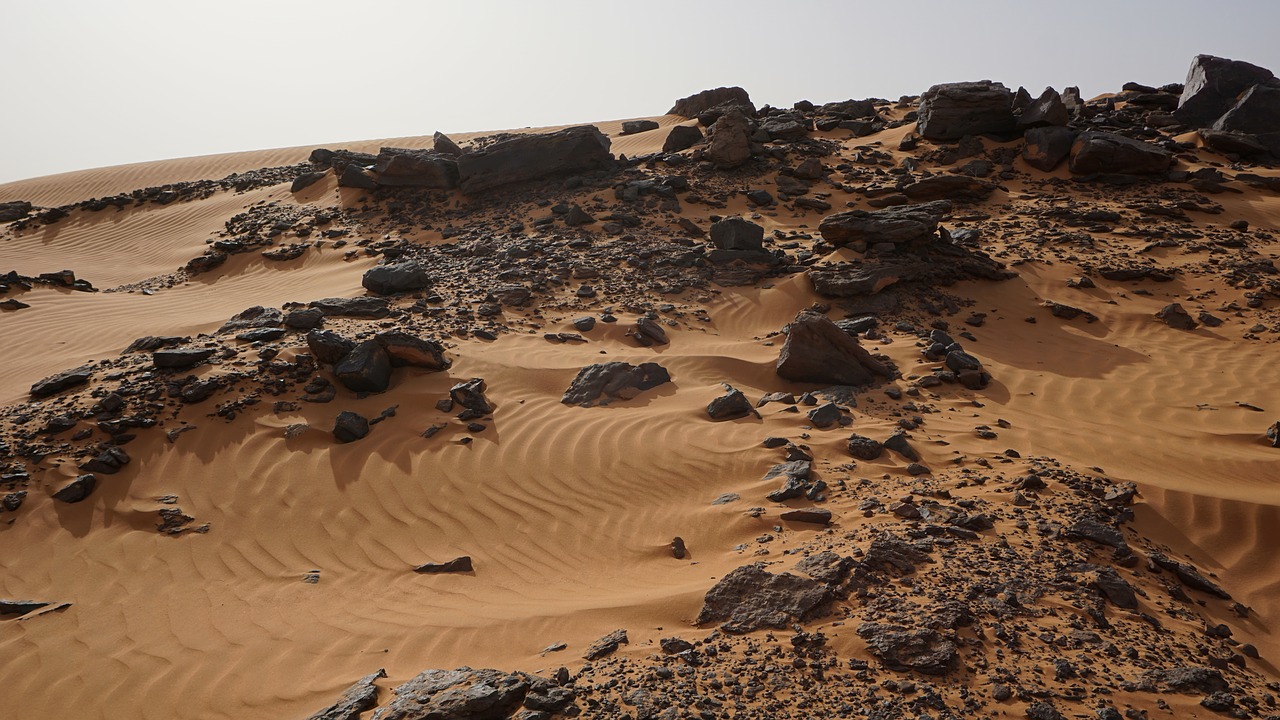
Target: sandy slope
x: 567, y: 511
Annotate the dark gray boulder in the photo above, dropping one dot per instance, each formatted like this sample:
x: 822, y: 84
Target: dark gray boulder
x: 898, y: 443
x: 959, y: 188
x: 471, y: 395
x: 359, y: 177
x: 1235, y: 143
x: 1188, y: 575
x: 306, y: 180
x: 597, y: 384
x: 77, y: 490
x: 737, y: 233
x: 349, y: 427
x: 864, y: 448
x: 1114, y: 588
x: 631, y: 127
x: 405, y: 350
x: 682, y: 137
x: 328, y: 347
x: 1102, y: 152
x: 462, y: 694
x: 903, y: 224
x: 304, y: 319
x: 108, y: 462
x: 256, y: 316
x: 1045, y: 111
x: 361, y: 696
x: 953, y: 110
x: 529, y: 157
x: 181, y: 358
x: 417, y: 168
x: 730, y: 406
x: 1047, y: 146
x: 606, y: 645
x: 815, y: 516
x: 396, y: 278
x: 924, y: 650
x: 729, y: 144
x: 370, y: 308
x: 817, y: 351
x: 367, y: 368
x: 443, y: 145
x: 15, y: 210
x: 751, y: 598
x: 64, y: 380
x: 698, y: 103
x: 1256, y: 112
x: 1214, y: 85
x: 1176, y: 317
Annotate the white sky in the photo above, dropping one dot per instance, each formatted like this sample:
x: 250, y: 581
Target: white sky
x: 90, y: 83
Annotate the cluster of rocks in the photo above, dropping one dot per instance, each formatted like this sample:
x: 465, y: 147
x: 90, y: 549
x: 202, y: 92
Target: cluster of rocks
x: 459, y: 694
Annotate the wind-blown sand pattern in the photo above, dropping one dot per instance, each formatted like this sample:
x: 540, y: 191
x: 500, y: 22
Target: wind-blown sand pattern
x: 287, y: 572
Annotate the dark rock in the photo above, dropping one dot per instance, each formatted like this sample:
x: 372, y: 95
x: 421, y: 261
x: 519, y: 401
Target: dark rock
x: 923, y: 650
x: 247, y: 319
x: 340, y: 159
x: 826, y: 415
x: 1045, y: 111
x: 181, y: 359
x: 1257, y: 111
x: 1190, y: 679
x: 261, y: 335
x: 1101, y: 152
x: 367, y: 368
x: 350, y: 427
x: 697, y: 103
x: 606, y: 645
x: 462, y: 694
x: 457, y: 565
x: 898, y: 443
x: 826, y: 567
x: 405, y: 350
x: 730, y: 406
x: 864, y: 448
x: 1189, y: 576
x: 417, y: 168
x: 14, y: 210
x: 674, y: 646
x: 78, y: 489
x: 371, y: 308
x: 678, y: 549
x: 1233, y: 143
x: 682, y: 137
x: 613, y: 380
x: 470, y: 395
x: 1092, y: 528
x: 631, y: 127
x: 817, y: 351
x: 20, y: 607
x: 1213, y: 86
x: 1176, y: 317
x: 361, y: 696
x: 359, y: 177
x: 901, y: 225
x: 533, y: 156
x: 577, y: 217
x: 648, y: 332
x: 1114, y: 588
x: 795, y: 475
x: 730, y: 141
x: 751, y: 598
x: 954, y: 110
x: 396, y: 278
x: 328, y: 347
x: 960, y: 188
x: 108, y: 462
x: 890, y: 552
x: 1047, y: 146
x: 64, y: 380
x: 11, y: 501
x: 306, y: 180
x: 443, y: 145
x: 817, y: 516
x: 304, y: 319
x: 1042, y: 710
x: 736, y: 233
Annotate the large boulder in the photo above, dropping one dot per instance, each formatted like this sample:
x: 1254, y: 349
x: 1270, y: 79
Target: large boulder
x: 443, y: 145
x: 1102, y: 152
x: 14, y: 210
x: 605, y: 381
x: 960, y: 188
x: 419, y: 168
x: 697, y: 103
x: 751, y: 598
x: 181, y: 358
x: 396, y: 278
x: 1213, y: 86
x: 327, y: 346
x: 405, y: 350
x: 370, y: 308
x: 730, y: 140
x: 466, y: 694
x: 737, y: 233
x: 953, y: 110
x: 1045, y: 111
x: 64, y: 380
x: 1256, y: 112
x: 367, y: 368
x: 817, y: 351
x: 528, y: 157
x: 251, y: 318
x: 1047, y: 146
x: 682, y: 137
x: 924, y: 650
x: 898, y: 225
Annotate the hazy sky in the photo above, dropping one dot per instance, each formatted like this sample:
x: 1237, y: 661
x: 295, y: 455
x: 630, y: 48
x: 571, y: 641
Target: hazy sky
x: 95, y: 83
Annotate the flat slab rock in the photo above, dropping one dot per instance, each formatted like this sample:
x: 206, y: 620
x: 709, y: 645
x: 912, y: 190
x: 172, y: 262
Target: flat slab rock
x: 751, y: 598
x: 923, y: 650
x: 599, y: 383
x: 466, y: 694
x: 361, y: 696
x: 817, y: 351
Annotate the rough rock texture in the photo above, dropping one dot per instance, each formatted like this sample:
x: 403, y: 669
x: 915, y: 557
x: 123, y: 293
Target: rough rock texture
x: 1047, y: 146
x: 361, y: 696
x: 682, y: 137
x: 732, y: 405
x: 817, y: 351
x: 181, y: 359
x: 751, y: 598
x: 466, y: 694
x: 64, y: 380
x: 697, y: 103
x: 606, y: 645
x: 1257, y: 112
x: 1046, y: 110
x: 737, y: 233
x: 396, y: 278
x: 419, y: 168
x: 631, y: 127
x: 730, y: 141
x: 528, y: 157
x: 1101, y: 152
x: 897, y: 225
x: 442, y: 144
x: 367, y: 368
x: 924, y: 650
x: 1213, y: 85
x: 78, y: 489
x: 953, y: 110
x: 349, y: 427
x: 405, y: 350
x: 613, y: 380
x: 360, y: 307
x: 959, y: 188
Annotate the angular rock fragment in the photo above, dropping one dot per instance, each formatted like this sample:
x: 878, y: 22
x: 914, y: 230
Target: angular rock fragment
x: 349, y: 427
x: 816, y: 351
x: 367, y: 368
x: 606, y: 645
x: 533, y: 156
x: 361, y: 696
x: 64, y: 380
x: 924, y: 650
x: 953, y: 110
x: 78, y: 489
x: 457, y: 565
x: 751, y: 598
x: 613, y: 380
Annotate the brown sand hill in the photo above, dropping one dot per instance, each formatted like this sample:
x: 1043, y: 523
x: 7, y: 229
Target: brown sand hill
x: 246, y: 564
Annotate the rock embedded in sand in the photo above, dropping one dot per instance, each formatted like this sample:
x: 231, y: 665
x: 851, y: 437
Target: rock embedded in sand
x: 460, y: 564
x: 359, y: 177
x: 14, y: 210
x: 532, y: 156
x: 396, y: 278
x: 923, y: 650
x: 899, y: 225
x: 470, y: 395
x: 327, y: 346
x: 700, y: 102
x: 367, y: 368
x: 361, y: 696
x: 958, y: 188
x: 306, y: 180
x: 1109, y: 153
x: 108, y: 462
x: 730, y: 406
x: 631, y: 127
x: 369, y: 308
x: 613, y: 380
x: 816, y: 351
x: 349, y: 427
x: 751, y: 598
x: 1176, y: 317
x: 606, y: 645
x: 250, y: 318
x: 678, y: 549
x: 64, y: 380
x: 1188, y: 575
x: 864, y: 448
x: 1046, y: 147
x: 405, y: 350
x: 953, y: 110
x: 816, y: 516
x: 181, y: 359
x: 737, y: 233
x: 681, y: 137
x: 417, y: 168
x: 466, y: 694
x: 78, y: 489
x: 648, y: 332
